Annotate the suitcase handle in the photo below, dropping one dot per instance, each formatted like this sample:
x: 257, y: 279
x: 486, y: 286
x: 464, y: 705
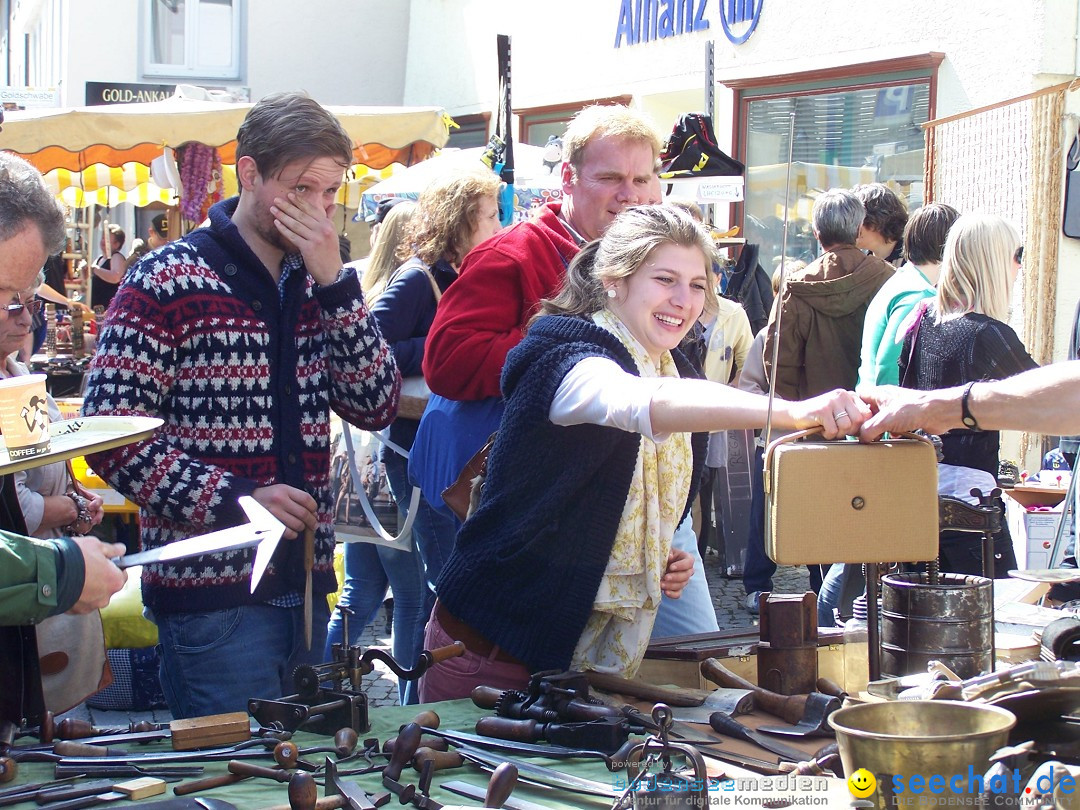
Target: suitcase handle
x: 802, y: 434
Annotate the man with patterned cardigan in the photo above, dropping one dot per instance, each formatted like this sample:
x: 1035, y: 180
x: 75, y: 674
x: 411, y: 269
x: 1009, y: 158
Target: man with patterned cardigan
x: 241, y: 336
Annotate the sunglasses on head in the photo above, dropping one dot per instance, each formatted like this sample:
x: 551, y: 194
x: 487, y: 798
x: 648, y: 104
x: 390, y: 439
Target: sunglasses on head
x: 1018, y: 257
x: 15, y: 308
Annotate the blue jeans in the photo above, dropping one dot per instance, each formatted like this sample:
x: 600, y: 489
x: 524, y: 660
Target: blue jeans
x: 434, y: 534
x: 213, y: 662
x: 693, y: 611
x: 758, y: 569
x: 369, y: 569
x: 841, y: 586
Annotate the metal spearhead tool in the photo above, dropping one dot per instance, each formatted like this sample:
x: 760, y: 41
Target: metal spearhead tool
x: 354, y: 795
x: 262, y: 527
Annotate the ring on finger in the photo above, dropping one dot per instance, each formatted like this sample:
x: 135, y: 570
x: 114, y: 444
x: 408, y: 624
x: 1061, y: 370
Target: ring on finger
x: 839, y: 415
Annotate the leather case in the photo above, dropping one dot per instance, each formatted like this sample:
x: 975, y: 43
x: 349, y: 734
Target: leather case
x: 850, y: 502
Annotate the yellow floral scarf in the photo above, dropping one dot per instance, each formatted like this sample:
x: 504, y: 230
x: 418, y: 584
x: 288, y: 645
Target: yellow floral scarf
x: 620, y: 626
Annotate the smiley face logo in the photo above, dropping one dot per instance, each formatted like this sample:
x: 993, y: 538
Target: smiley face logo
x: 862, y: 783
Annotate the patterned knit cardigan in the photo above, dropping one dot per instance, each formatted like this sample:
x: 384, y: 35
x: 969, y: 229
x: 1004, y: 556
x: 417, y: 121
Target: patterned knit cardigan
x: 196, y: 335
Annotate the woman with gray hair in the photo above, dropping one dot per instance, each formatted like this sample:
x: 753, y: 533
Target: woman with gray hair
x: 596, y: 462
x: 962, y: 339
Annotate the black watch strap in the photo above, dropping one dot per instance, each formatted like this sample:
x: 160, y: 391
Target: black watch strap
x: 965, y: 411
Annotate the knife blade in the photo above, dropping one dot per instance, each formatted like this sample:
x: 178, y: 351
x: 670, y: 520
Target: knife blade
x: 264, y: 527
x: 526, y: 770
x: 458, y: 738
x: 733, y: 728
x: 258, y: 514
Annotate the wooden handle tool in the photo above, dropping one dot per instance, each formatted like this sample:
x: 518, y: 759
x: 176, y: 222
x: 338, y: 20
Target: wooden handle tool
x: 440, y: 760
x: 501, y: 784
x: 309, y: 563
x: 789, y: 708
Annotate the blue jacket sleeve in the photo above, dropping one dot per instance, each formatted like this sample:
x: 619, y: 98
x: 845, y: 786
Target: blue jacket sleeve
x: 404, y: 312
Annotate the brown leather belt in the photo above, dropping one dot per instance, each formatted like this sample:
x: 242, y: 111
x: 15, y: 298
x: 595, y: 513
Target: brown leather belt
x: 473, y: 641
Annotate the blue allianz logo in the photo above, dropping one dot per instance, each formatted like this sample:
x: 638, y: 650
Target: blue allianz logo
x: 740, y: 18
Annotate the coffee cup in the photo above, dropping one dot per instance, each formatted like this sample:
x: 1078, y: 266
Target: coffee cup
x: 24, y: 416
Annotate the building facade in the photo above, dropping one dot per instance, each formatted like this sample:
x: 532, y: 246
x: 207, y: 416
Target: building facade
x: 861, y: 80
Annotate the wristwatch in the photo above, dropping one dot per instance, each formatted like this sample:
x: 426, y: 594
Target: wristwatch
x: 965, y: 412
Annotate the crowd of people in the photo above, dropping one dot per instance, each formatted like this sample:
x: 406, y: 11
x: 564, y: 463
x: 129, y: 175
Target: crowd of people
x: 590, y: 339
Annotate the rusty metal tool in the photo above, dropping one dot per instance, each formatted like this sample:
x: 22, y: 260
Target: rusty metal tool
x: 72, y: 729
x: 474, y: 792
x: 789, y: 708
x: 116, y: 769
x: 309, y: 563
x: 134, y: 789
x: 461, y: 739
x: 549, y: 777
x: 733, y: 728
x: 354, y: 795
x: 24, y: 793
x: 407, y: 741
x: 729, y: 701
x: 241, y: 767
x: 787, y: 653
x: 608, y: 734
x: 252, y: 749
x: 423, y: 787
x: 647, y: 691
x: 208, y: 783
x: 814, y: 722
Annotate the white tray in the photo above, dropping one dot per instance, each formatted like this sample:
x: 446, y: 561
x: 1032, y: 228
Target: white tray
x: 88, y: 434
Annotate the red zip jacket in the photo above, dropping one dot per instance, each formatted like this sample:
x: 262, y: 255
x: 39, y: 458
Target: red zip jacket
x: 483, y: 314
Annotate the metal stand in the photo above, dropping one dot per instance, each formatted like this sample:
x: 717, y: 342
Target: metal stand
x: 873, y: 620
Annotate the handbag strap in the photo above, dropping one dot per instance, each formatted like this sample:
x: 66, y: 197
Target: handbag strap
x: 434, y: 285
x: 362, y: 496
x: 920, y: 312
x: 802, y: 434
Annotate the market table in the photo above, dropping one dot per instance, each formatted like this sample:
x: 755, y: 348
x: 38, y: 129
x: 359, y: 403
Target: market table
x: 458, y: 715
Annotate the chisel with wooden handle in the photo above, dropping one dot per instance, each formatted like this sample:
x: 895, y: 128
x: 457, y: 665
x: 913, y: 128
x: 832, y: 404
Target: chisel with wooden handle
x: 309, y: 563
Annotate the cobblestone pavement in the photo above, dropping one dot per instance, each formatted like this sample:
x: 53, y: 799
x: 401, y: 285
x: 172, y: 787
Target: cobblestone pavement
x: 729, y: 599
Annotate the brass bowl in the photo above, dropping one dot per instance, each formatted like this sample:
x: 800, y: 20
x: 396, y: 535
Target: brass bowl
x: 920, y: 737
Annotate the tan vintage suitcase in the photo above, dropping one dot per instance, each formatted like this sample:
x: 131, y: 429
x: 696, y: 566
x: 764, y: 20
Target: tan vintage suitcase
x: 850, y: 502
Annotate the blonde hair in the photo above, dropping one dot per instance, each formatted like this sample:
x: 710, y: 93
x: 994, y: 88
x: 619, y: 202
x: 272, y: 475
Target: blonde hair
x: 622, y: 250
x: 383, y: 260
x: 606, y: 121
x: 446, y: 215
x: 975, y: 267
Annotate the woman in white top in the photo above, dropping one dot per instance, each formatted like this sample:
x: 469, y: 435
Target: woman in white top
x: 596, y: 461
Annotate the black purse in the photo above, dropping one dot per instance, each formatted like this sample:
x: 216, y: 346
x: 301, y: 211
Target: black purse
x: 1070, y: 216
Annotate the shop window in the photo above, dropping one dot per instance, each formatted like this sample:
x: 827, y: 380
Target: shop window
x: 472, y: 130
x: 537, y: 124
x: 846, y: 133
x: 193, y: 38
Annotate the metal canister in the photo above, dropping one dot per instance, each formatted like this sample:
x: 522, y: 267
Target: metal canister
x: 951, y: 621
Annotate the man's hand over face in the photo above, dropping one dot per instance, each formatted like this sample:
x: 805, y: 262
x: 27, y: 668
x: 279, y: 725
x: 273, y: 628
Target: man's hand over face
x: 312, y: 231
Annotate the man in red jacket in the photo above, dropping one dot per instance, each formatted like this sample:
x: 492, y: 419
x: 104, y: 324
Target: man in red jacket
x: 610, y: 162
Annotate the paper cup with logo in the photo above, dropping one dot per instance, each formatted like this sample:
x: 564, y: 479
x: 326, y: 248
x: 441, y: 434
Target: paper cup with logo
x: 24, y: 416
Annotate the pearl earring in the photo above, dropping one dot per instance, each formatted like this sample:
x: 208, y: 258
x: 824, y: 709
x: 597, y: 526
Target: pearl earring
x: 611, y: 293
